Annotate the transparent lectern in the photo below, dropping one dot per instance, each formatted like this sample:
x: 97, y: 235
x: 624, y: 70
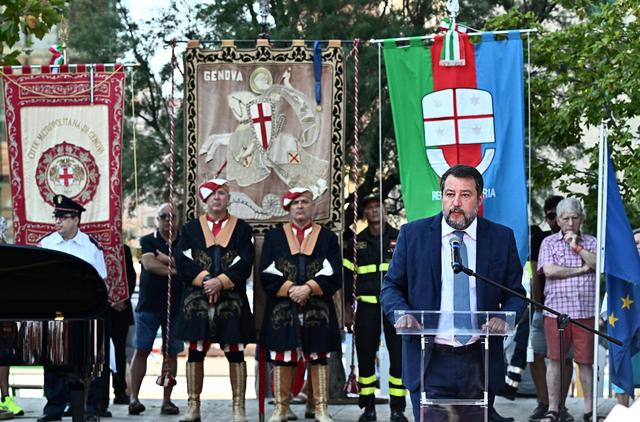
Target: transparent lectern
x: 431, y: 324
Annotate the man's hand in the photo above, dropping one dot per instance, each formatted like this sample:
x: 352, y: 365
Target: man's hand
x: 212, y: 287
x: 571, y: 238
x: 119, y: 306
x: 348, y: 316
x: 164, y: 259
x: 496, y: 326
x: 407, y: 321
x: 300, y: 294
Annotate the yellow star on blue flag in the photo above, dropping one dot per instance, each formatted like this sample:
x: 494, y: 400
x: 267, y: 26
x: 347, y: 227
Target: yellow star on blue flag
x: 622, y: 269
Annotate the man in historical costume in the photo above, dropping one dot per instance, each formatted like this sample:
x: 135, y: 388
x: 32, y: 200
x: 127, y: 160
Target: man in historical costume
x: 568, y: 261
x: 421, y: 277
x: 372, y: 262
x: 300, y: 272
x: 70, y: 239
x: 151, y: 311
x: 214, y: 259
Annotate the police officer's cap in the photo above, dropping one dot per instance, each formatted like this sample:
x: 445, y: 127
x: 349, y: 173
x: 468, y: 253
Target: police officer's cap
x: 64, y: 205
x: 372, y: 197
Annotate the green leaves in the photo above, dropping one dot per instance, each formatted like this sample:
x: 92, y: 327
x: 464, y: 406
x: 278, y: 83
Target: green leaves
x: 27, y: 18
x: 585, y: 73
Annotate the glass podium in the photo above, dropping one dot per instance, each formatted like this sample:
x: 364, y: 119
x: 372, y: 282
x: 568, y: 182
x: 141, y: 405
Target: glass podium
x: 445, y: 325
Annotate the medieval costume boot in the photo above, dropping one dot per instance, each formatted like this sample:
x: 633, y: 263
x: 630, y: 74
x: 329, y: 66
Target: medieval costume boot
x: 320, y: 382
x: 238, y: 375
x: 310, y: 408
x: 282, y: 377
x: 195, y: 378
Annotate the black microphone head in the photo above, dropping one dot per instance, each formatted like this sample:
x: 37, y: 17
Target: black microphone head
x: 454, y: 241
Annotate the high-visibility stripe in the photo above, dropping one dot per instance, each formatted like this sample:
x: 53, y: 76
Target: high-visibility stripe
x: 367, y: 380
x: 398, y: 392
x: 384, y: 266
x: 347, y: 264
x: 367, y: 269
x: 367, y: 391
x: 511, y: 382
x: 514, y: 369
x: 367, y: 299
x: 395, y: 381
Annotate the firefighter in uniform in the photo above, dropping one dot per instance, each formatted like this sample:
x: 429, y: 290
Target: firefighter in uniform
x: 370, y: 269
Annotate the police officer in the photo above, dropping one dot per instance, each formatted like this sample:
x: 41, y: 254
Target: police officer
x: 371, y: 266
x: 70, y: 239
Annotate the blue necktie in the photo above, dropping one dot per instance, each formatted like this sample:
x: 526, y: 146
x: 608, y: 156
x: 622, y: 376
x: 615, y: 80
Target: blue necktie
x: 461, y: 299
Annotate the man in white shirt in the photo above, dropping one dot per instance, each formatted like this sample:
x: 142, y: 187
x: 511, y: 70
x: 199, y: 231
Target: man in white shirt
x: 70, y: 239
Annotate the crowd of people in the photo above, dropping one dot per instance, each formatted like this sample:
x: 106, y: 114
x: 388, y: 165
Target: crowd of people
x: 301, y: 268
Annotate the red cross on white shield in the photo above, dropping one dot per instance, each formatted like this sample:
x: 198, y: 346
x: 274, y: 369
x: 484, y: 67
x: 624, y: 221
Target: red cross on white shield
x: 261, y: 118
x: 65, y: 175
x: 458, y: 116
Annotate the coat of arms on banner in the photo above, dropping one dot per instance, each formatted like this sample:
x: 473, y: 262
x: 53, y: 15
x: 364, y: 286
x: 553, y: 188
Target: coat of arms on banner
x: 458, y: 116
x: 254, y: 117
x: 69, y: 170
x: 64, y: 140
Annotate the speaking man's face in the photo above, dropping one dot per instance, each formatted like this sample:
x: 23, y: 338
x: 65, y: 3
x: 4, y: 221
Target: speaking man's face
x: 460, y: 202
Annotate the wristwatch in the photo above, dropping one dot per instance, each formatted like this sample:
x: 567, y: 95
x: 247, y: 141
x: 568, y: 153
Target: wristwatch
x: 206, y: 277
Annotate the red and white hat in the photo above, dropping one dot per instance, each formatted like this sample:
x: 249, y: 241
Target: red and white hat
x: 207, y: 188
x: 290, y: 195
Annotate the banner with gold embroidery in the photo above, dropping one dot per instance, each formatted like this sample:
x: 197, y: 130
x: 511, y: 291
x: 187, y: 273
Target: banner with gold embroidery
x: 64, y: 136
x: 267, y: 119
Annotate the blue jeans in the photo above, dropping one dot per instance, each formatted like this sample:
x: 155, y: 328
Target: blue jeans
x: 147, y: 324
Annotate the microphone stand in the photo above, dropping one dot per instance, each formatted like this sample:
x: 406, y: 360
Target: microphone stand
x: 563, y: 320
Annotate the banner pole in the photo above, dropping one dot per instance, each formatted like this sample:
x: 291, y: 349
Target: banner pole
x: 471, y: 34
x: 601, y: 240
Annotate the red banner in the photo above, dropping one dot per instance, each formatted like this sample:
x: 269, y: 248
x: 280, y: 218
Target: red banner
x: 64, y: 135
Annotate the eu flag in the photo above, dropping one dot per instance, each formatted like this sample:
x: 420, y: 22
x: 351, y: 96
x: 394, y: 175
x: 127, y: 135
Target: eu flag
x: 622, y: 269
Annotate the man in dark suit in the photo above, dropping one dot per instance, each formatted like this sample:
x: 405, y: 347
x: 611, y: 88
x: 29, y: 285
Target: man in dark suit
x: 421, y: 278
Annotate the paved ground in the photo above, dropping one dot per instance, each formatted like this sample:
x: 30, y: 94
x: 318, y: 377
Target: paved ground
x: 220, y: 410
x: 217, y: 395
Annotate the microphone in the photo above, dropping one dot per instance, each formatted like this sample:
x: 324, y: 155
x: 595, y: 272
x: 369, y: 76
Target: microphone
x: 456, y: 261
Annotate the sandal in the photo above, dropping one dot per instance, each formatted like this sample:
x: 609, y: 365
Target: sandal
x: 551, y: 416
x: 169, y: 408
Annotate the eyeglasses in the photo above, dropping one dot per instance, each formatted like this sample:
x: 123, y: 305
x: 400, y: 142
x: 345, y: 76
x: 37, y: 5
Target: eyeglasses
x: 167, y: 217
x: 551, y: 215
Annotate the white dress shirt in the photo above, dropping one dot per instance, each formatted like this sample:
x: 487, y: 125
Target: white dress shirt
x: 80, y: 246
x: 446, y: 298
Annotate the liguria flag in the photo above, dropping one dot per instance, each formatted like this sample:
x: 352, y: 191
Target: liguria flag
x: 471, y: 114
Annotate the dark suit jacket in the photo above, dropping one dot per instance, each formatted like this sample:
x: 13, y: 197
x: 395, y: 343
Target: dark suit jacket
x: 414, y: 282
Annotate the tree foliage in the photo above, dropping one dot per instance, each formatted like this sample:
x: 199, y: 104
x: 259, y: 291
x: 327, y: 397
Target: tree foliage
x: 584, y: 74
x: 26, y: 18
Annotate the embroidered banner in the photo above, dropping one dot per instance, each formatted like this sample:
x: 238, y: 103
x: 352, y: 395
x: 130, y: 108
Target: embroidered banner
x: 267, y: 120
x: 64, y: 135
x: 470, y: 114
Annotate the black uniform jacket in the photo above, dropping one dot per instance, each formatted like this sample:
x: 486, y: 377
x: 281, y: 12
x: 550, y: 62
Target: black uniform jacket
x: 370, y: 267
x: 285, y: 262
x: 228, y: 256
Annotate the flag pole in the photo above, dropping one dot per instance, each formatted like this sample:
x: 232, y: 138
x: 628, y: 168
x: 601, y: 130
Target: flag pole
x: 601, y: 237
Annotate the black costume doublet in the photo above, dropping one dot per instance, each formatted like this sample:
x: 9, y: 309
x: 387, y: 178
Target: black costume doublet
x: 284, y: 263
x: 228, y: 256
